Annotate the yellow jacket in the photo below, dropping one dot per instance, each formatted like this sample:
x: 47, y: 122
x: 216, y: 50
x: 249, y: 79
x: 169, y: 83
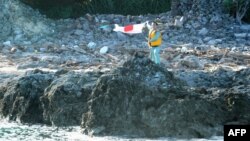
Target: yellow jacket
x: 154, y: 38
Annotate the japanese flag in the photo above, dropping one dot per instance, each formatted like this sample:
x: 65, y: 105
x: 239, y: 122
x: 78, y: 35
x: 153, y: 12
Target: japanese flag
x: 130, y: 29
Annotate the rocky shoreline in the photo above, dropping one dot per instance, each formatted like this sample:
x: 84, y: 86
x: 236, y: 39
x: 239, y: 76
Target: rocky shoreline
x: 52, y: 72
x: 138, y: 99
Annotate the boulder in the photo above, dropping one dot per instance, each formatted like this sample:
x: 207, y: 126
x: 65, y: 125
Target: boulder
x: 214, y: 42
x: 7, y: 43
x: 79, y: 32
x: 141, y: 99
x: 91, y: 45
x: 121, y: 36
x: 104, y: 50
x: 119, y: 98
x: 66, y: 98
x: 203, y: 31
x: 240, y: 35
x: 19, y: 97
x: 245, y: 27
x: 191, y: 62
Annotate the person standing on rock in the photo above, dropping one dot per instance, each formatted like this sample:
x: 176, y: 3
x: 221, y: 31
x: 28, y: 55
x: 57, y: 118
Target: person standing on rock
x: 154, y: 42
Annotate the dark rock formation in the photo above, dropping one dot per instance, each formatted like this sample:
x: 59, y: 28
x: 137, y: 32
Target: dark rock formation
x: 137, y: 99
x: 66, y: 98
x: 133, y: 100
x: 40, y: 97
x: 120, y: 98
x: 19, y: 97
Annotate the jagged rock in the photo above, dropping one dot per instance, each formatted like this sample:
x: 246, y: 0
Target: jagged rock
x: 139, y: 98
x: 66, y: 98
x: 124, y: 94
x: 19, y: 98
x: 136, y: 99
x: 126, y: 102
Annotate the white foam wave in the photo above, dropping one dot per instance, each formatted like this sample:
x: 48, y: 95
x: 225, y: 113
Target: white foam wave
x: 13, y: 131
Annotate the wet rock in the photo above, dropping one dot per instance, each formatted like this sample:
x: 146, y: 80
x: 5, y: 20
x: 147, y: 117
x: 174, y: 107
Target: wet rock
x: 66, y: 98
x: 133, y: 85
x: 237, y: 101
x: 20, y: 97
x: 124, y: 102
x: 138, y: 98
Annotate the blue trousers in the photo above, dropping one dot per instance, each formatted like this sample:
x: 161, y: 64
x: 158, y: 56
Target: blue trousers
x: 155, y: 54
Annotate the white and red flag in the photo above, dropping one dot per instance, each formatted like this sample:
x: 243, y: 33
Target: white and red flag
x: 130, y: 29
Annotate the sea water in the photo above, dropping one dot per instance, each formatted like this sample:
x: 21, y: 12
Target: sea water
x: 13, y: 131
